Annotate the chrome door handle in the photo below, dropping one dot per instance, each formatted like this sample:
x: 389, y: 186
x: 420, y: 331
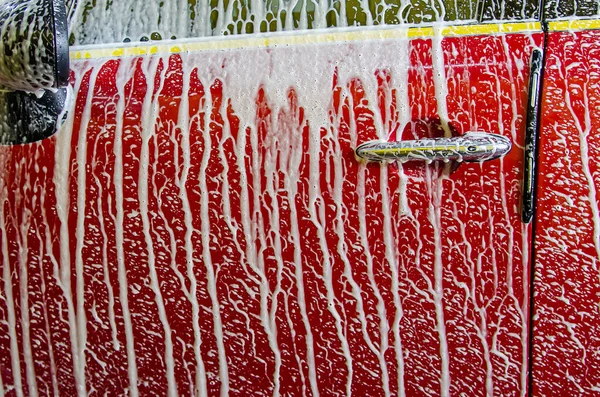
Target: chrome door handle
x: 471, y: 147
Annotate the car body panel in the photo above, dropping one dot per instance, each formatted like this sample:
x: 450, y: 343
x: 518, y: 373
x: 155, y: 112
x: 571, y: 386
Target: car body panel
x: 201, y: 224
x: 565, y: 358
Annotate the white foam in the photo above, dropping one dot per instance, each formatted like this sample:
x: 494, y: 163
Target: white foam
x: 183, y: 123
x: 205, y: 218
x: 8, y: 292
x: 124, y: 73
x: 149, y: 112
x: 61, y: 181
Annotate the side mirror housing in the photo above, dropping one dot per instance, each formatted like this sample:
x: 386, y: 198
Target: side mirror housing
x: 34, y: 69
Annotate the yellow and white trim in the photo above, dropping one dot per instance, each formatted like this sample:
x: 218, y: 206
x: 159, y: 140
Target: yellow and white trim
x: 297, y: 38
x: 573, y: 25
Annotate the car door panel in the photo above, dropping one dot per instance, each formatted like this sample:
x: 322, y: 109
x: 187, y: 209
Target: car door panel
x: 201, y: 224
x: 566, y: 278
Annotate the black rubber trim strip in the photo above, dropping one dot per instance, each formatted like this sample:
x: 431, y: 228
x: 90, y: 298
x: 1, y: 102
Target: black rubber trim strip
x: 532, y: 256
x: 61, y: 42
x: 532, y: 128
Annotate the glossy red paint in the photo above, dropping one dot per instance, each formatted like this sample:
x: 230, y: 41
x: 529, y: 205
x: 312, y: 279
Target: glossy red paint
x: 177, y: 246
x: 566, y: 341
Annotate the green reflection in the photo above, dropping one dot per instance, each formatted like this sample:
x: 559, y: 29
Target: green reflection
x: 555, y: 9
x: 231, y: 17
x: 306, y: 14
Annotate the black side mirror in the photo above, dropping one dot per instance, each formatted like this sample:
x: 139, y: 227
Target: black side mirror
x: 34, y: 69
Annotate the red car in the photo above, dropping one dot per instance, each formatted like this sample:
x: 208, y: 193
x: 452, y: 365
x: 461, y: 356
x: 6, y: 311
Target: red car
x: 398, y: 209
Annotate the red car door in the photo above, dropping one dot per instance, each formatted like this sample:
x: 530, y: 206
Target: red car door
x: 202, y: 225
x: 566, y: 342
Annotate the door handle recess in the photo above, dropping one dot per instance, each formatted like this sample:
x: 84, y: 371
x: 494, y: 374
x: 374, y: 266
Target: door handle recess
x: 470, y: 147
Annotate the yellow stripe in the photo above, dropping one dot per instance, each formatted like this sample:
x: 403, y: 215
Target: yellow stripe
x: 263, y: 41
x: 574, y: 24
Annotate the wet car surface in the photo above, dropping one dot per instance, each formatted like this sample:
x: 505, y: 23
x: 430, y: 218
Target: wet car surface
x: 202, y: 225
